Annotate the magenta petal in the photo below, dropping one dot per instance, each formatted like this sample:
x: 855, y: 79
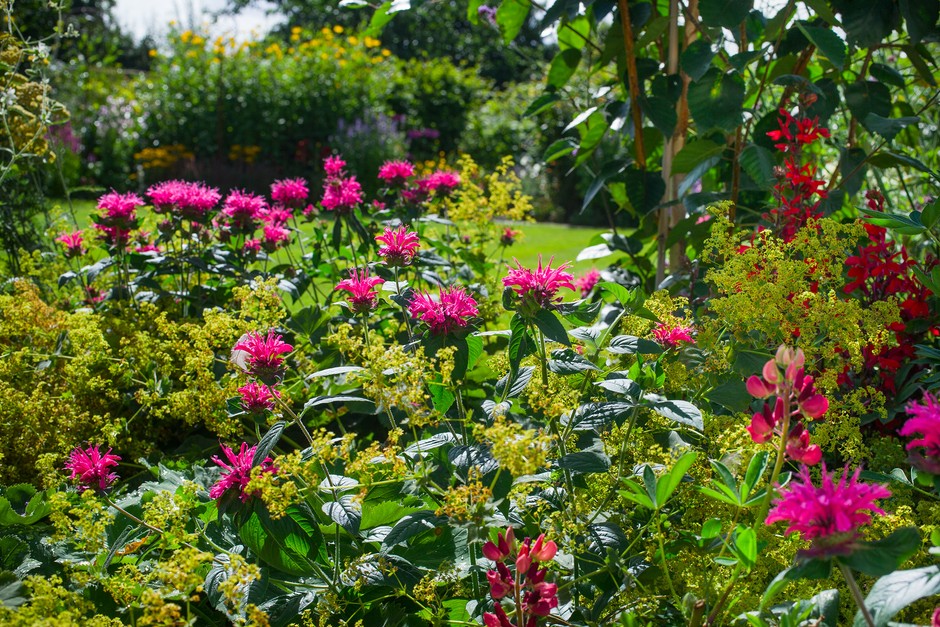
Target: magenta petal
x: 815, y: 406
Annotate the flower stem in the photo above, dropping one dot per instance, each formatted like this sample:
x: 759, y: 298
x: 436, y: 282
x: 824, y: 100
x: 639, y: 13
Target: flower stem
x: 543, y: 358
x: 856, y: 593
x: 781, y: 451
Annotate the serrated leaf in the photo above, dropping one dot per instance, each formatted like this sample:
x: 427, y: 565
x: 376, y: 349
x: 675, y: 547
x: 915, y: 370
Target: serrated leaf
x: 695, y: 153
x: 345, y: 512
x: 585, y: 462
x: 630, y: 345
x: 724, y: 13
x: 411, y: 525
x: 549, y: 324
x: 897, y: 590
x: 716, y: 100
x: 827, y: 42
x: 696, y: 59
x: 591, y: 416
x: 566, y: 361
x: 758, y: 162
x: 682, y: 412
x: 268, y: 442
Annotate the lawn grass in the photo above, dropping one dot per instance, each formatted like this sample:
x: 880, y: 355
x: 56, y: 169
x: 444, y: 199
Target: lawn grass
x: 561, y: 241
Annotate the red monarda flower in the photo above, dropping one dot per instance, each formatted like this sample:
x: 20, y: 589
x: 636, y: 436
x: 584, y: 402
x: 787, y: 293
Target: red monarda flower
x: 672, y: 337
x: 244, y: 210
x: 400, y: 246
x: 829, y: 516
x: 452, y: 310
x: 257, y: 398
x: 237, y: 471
x: 260, y: 355
x: 90, y: 469
x: 361, y: 288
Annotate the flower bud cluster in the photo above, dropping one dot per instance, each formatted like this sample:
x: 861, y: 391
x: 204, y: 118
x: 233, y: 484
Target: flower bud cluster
x: 518, y: 578
x: 796, y: 400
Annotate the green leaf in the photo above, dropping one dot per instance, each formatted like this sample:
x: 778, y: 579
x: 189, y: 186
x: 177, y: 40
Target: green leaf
x: 559, y: 149
x: 887, y: 127
x: 563, y: 67
x: 887, y: 74
x: 593, y: 416
x: 864, y: 97
x: 905, y: 225
x: 755, y: 470
x: 289, y: 544
x: 696, y: 59
x: 565, y: 361
x: 541, y: 103
x: 573, y: 33
x: 441, y: 396
x: 411, y: 525
x: 552, y: 327
x: 682, y: 412
x: 711, y: 528
x: 585, y: 462
x: 36, y: 509
x: 758, y: 162
x: 644, y: 189
x: 670, y: 481
x: 895, y: 591
x: 921, y: 19
x: 268, y: 442
x: 637, y: 494
x: 608, y: 170
x: 809, y: 569
x: 867, y: 23
x: 630, y: 345
x: 930, y: 215
x: 520, y: 344
x: 827, y: 42
x: 745, y: 543
x: 724, y: 13
x: 345, y: 512
x: 884, y: 556
x: 913, y: 54
x: 661, y: 112
x: 717, y: 100
x: 12, y: 590
x: 731, y: 394
x: 694, y: 153
x: 510, y: 16
x: 888, y: 159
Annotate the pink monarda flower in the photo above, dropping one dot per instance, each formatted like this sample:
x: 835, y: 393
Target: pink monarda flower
x: 290, y: 192
x: 341, y: 194
x: 251, y: 247
x: 72, y: 243
x: 190, y: 201
x: 400, y: 246
x: 396, y: 172
x: 90, y: 469
x: 260, y: 355
x: 244, y: 210
x: 237, y: 472
x: 672, y: 337
x: 538, y: 288
x: 924, y: 420
x: 452, y: 310
x: 442, y: 182
x: 587, y: 281
x: 120, y: 210
x: 361, y: 288
x: 257, y: 398
x: 275, y: 236
x: 333, y: 166
x: 278, y: 215
x: 828, y: 516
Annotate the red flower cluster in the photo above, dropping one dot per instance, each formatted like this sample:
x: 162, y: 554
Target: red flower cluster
x: 797, y: 183
x: 796, y: 399
x: 531, y: 594
x: 341, y: 193
x: 361, y: 288
x: 452, y: 310
x: 118, y: 217
x: 883, y: 270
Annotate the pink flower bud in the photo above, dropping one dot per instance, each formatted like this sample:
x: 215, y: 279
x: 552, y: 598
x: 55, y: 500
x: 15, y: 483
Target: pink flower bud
x: 771, y: 372
x: 761, y: 428
x: 814, y: 406
x: 523, y: 560
x: 758, y: 388
x: 543, y: 551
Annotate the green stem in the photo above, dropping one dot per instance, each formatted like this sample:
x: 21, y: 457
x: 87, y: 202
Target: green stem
x: 856, y: 593
x: 662, y: 555
x: 543, y: 358
x: 781, y: 452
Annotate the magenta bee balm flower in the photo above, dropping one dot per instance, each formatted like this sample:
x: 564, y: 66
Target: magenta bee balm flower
x: 587, y: 281
x: 237, y: 472
x: 257, y: 398
x: 452, y: 310
x: 829, y: 516
x: 396, y: 172
x: 924, y: 420
x: 539, y: 287
x: 672, y: 337
x: 244, y: 210
x: 400, y: 246
x: 90, y: 469
x: 260, y: 356
x: 73, y: 244
x: 361, y: 288
x: 290, y: 192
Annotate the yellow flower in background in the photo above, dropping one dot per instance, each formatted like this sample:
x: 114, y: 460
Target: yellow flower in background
x: 186, y: 36
x: 353, y: 40
x: 371, y: 42
x: 338, y: 29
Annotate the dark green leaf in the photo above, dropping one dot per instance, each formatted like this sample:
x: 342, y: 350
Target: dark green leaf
x: 644, y: 189
x: 886, y: 74
x: 551, y: 327
x: 592, y: 416
x: 724, y: 13
x: 864, y: 97
x: 563, y: 67
x: 887, y: 127
x: 732, y: 395
x: 809, y: 569
x: 884, y: 556
x: 541, y: 103
x: 694, y: 153
x: 411, y: 525
x: 897, y: 590
x: 716, y: 100
x: 289, y: 544
x: 268, y: 442
x: 696, y: 59
x: 921, y: 19
x: 559, y: 149
x: 630, y: 345
x: 345, y: 512
x: 888, y: 159
x: 608, y: 171
x: 913, y: 53
x: 930, y: 214
x: 585, y: 462
x: 827, y: 42
x: 867, y: 23
x: 682, y: 412
x: 758, y: 162
x: 565, y: 361
x: 852, y: 166
x: 661, y: 112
